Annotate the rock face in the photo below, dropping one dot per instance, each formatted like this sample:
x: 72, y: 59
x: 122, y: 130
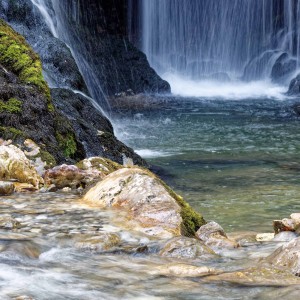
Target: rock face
x: 116, y: 63
x: 26, y: 108
x: 283, y: 68
x: 92, y: 128
x: 15, y: 165
x: 214, y: 236
x: 149, y: 206
x: 59, y: 66
x: 287, y: 257
x: 294, y: 88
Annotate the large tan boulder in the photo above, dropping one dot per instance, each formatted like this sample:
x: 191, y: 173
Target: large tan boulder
x: 15, y: 165
x: 149, y: 205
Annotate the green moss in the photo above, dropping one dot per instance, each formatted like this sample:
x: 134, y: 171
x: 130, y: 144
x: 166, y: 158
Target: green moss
x: 11, y: 133
x: 18, y: 57
x: 192, y: 220
x: 48, y: 158
x: 104, y: 165
x: 67, y: 144
x: 13, y: 106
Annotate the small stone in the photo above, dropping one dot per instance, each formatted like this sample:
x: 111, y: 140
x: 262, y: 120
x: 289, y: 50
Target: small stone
x: 66, y: 190
x: 24, y: 187
x: 6, y: 188
x: 8, y: 222
x: 214, y: 236
x: 183, y: 270
x: 284, y: 225
x: 265, y: 237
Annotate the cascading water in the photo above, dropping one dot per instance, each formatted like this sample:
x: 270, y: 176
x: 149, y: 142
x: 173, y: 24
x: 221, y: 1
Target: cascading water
x: 221, y: 40
x: 59, y: 16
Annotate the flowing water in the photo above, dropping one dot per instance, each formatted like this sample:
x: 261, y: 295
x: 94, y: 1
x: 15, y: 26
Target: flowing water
x: 42, y: 260
x: 236, y: 161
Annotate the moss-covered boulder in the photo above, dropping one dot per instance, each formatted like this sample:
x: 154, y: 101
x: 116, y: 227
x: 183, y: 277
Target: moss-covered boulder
x: 26, y: 108
x: 149, y: 206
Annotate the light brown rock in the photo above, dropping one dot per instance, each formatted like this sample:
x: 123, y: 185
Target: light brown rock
x: 148, y: 205
x: 15, y: 165
x: 183, y: 270
x: 257, y: 276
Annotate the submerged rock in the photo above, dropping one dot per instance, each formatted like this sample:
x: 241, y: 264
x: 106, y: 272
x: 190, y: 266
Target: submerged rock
x: 183, y: 247
x: 15, y: 165
x: 183, y: 270
x: 7, y: 222
x: 214, y: 236
x: 257, y: 276
x: 150, y: 207
x: 287, y: 257
x: 99, y: 243
x: 6, y: 188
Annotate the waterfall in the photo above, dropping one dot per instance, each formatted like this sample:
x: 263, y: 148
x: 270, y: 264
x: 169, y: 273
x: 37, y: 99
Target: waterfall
x: 221, y: 39
x: 62, y: 18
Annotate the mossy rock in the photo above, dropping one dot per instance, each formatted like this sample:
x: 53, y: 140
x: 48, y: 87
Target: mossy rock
x: 13, y: 106
x: 192, y: 220
x: 11, y: 133
x: 18, y: 57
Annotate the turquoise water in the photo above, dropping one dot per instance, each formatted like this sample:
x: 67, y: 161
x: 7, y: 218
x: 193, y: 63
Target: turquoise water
x: 235, y: 161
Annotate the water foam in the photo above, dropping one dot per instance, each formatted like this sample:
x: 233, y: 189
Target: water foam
x: 235, y: 90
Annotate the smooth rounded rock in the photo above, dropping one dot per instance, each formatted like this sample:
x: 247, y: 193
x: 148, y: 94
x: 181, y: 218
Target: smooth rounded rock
x: 15, y: 165
x: 148, y: 205
x: 6, y: 188
x: 183, y: 247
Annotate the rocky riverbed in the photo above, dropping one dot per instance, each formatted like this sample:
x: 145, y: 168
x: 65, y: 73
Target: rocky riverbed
x: 114, y: 231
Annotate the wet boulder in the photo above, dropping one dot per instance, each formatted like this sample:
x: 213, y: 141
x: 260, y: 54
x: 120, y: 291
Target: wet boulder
x: 148, y: 204
x: 294, y: 87
x: 214, y: 236
x: 287, y: 257
x: 183, y: 248
x: 15, y: 165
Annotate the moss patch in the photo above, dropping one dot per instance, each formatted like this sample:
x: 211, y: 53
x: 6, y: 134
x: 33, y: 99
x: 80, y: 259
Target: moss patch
x: 13, y: 106
x: 18, y: 57
x: 67, y: 144
x: 11, y: 133
x: 47, y: 158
